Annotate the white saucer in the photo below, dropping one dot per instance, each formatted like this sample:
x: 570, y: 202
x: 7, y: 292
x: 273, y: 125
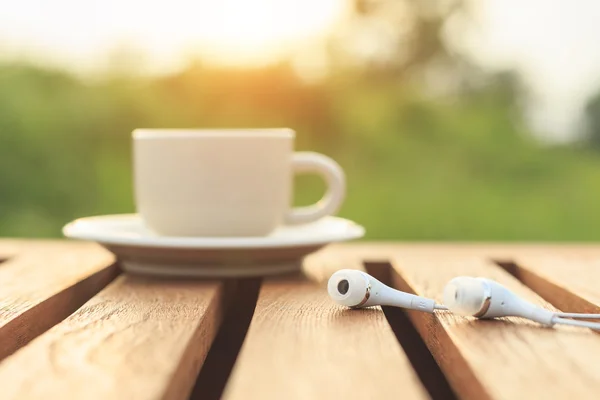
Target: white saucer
x: 141, y: 251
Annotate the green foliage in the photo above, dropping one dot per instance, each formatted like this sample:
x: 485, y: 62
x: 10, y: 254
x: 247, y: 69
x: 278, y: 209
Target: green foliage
x: 460, y: 167
x: 592, y: 113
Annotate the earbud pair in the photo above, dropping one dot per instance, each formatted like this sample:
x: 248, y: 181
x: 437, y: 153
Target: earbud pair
x: 467, y: 296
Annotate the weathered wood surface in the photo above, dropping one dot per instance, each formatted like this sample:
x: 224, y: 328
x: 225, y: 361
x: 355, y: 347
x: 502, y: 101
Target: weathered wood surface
x: 568, y: 281
x: 84, y: 332
x: 40, y: 285
x: 137, y: 339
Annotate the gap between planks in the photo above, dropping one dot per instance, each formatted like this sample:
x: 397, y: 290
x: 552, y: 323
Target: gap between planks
x: 412, y: 343
x: 570, y: 283
x: 138, y: 338
x: 43, y: 285
x: 240, y: 302
x: 301, y: 345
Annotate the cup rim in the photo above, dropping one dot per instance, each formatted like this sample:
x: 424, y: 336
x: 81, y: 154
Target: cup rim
x: 148, y: 133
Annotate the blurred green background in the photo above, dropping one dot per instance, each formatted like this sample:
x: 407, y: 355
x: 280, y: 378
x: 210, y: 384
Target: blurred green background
x: 455, y: 159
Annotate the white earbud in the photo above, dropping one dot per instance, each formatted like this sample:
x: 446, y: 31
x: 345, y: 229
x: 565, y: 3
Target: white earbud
x: 484, y: 298
x: 356, y: 289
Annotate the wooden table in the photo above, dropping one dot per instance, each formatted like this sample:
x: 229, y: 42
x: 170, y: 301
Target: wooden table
x: 72, y: 326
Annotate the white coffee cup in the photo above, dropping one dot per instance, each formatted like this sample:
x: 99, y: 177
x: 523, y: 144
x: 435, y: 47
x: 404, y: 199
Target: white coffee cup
x: 226, y: 182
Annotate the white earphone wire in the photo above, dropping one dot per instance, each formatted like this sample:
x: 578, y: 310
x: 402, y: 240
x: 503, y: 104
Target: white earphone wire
x: 583, y: 324
x: 577, y: 315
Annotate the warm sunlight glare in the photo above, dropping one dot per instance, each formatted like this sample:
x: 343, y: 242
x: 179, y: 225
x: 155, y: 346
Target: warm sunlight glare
x: 241, y: 31
x: 81, y: 33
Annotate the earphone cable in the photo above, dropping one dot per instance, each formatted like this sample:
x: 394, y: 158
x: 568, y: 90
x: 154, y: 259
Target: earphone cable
x: 577, y: 315
x: 583, y: 324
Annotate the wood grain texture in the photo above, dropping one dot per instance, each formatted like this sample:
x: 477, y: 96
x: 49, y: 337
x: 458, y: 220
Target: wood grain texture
x: 137, y: 339
x: 241, y: 301
x: 383, y: 251
x: 501, y: 359
x: 301, y: 345
x: 322, y: 264
x: 43, y: 284
x: 568, y: 282
x: 11, y: 247
x: 318, y: 267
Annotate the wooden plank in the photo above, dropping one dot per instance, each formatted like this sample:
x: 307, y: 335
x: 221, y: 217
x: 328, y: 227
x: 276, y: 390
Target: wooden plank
x: 138, y: 338
x: 319, y: 266
x: 376, y: 251
x: 568, y: 281
x: 352, y: 255
x: 507, y: 359
x: 300, y: 345
x: 43, y: 284
x: 11, y: 247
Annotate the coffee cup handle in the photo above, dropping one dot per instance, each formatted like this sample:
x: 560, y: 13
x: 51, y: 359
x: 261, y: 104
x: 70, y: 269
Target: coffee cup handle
x: 332, y: 173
